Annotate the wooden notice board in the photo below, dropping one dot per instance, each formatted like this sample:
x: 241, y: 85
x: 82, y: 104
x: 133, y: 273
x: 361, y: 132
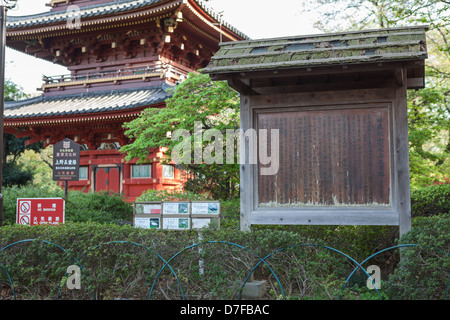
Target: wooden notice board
x: 338, y: 105
x: 328, y: 158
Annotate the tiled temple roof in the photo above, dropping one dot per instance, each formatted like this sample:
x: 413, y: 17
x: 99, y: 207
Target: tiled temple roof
x: 50, y: 17
x: 101, y: 10
x: 85, y: 103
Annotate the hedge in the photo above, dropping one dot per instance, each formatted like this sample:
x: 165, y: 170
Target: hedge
x: 170, y: 195
x: 424, y: 271
x: 431, y: 200
x: 305, y: 259
x: 124, y: 262
x: 127, y: 270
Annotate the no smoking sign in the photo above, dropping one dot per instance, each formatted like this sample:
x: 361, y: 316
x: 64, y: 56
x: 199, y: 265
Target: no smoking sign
x: 38, y: 211
x: 25, y: 207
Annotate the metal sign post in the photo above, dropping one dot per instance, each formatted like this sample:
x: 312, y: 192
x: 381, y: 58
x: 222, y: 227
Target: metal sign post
x: 4, y: 5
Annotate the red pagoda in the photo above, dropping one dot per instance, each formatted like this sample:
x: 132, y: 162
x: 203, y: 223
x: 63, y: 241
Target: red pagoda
x: 122, y: 55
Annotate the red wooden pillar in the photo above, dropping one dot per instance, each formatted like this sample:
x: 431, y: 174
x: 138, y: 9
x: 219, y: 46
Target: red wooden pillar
x: 125, y: 176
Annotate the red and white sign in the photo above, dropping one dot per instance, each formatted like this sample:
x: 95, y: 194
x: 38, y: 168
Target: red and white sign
x: 38, y: 211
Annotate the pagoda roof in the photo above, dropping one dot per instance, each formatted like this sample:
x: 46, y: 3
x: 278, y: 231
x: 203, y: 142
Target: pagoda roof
x: 14, y: 24
x: 358, y: 47
x: 98, y: 10
x: 94, y: 103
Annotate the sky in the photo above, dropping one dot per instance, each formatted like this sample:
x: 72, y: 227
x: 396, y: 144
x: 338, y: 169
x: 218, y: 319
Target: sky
x: 255, y: 18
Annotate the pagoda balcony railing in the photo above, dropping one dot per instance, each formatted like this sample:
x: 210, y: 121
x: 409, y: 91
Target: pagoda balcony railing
x: 164, y: 71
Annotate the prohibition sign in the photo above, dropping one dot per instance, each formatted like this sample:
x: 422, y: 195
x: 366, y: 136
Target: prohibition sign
x: 24, y: 220
x: 25, y: 207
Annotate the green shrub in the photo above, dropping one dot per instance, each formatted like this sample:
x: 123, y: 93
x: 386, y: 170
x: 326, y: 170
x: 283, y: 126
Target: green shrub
x: 423, y: 272
x: 305, y: 267
x: 14, y: 174
x: 99, y: 207
x: 431, y: 200
x: 168, y: 195
x: 357, y: 241
x: 230, y: 214
x: 110, y: 268
x: 300, y: 256
x: 115, y: 263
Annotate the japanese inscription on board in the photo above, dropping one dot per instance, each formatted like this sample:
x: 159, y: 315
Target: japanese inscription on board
x: 66, y: 160
x: 328, y: 158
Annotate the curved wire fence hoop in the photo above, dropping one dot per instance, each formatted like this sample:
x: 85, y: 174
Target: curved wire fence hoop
x: 10, y: 282
x: 364, y: 261
x: 35, y: 240
x: 306, y: 245
x: 384, y: 250
x: 215, y: 242
x: 138, y: 245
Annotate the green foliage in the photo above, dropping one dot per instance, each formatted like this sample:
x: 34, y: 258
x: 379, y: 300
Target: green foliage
x: 123, y: 262
x: 101, y: 207
x: 220, y: 180
x: 80, y: 206
x: 197, y: 100
x: 359, y: 241
x: 429, y: 131
x: 428, y: 111
x: 364, y: 14
x: 14, y: 147
x: 305, y: 259
x: 304, y: 271
x: 230, y: 214
x: 423, y: 272
x: 15, y: 175
x: 13, y: 172
x: 431, y: 200
x: 40, y: 165
x: 110, y: 269
x: 116, y: 263
x: 214, y: 104
x: 167, y: 195
x: 11, y: 194
x: 13, y: 91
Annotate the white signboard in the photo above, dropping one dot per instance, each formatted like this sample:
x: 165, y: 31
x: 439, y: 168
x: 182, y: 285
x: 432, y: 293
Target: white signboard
x: 177, y: 215
x: 142, y: 223
x: 200, y: 223
x: 147, y: 208
x: 176, y: 223
x: 176, y: 207
x: 206, y: 208
x: 147, y: 223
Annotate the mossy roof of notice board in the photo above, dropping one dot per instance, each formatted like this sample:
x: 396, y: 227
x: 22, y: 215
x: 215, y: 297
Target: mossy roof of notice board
x: 356, y: 47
